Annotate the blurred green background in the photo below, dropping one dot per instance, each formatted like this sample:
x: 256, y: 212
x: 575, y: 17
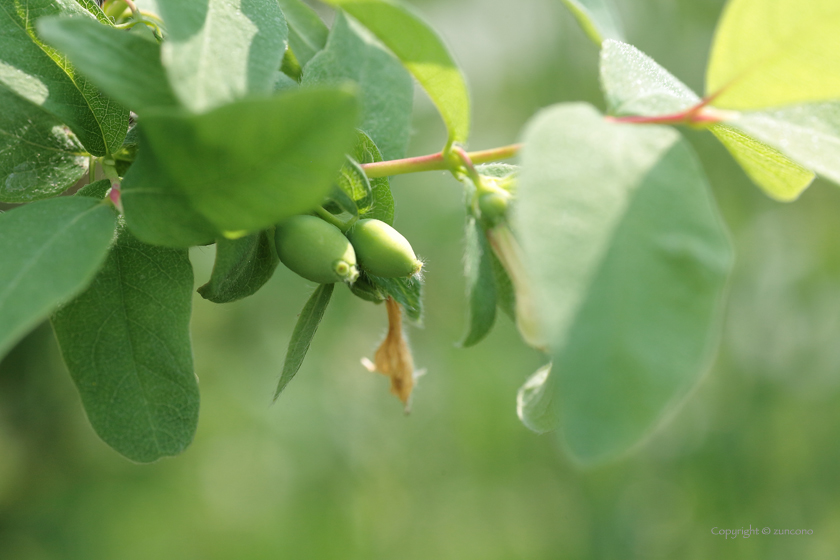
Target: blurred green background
x: 335, y: 470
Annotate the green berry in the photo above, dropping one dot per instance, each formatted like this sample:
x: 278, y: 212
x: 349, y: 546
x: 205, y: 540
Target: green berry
x: 493, y: 207
x: 316, y: 250
x: 382, y: 250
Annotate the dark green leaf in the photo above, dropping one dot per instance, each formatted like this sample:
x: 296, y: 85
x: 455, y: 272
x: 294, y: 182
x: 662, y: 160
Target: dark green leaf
x: 307, y: 33
x: 248, y: 165
x: 124, y: 65
x: 505, y: 295
x: 218, y: 51
x: 481, y: 284
x: 51, y: 250
x: 126, y: 342
x: 242, y: 267
x: 40, y: 157
x: 423, y: 53
x: 405, y: 291
x: 41, y: 75
x: 155, y: 211
x: 598, y: 18
x: 381, y: 205
x: 97, y: 189
x: 628, y: 263
x: 303, y: 334
x: 386, y: 90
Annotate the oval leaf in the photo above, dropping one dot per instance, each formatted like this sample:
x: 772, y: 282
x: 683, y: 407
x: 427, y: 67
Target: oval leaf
x: 51, y: 250
x: 423, y: 53
x: 767, y: 54
x: 248, y: 165
x: 481, y: 284
x: 628, y: 259
x: 242, y: 267
x: 126, y: 342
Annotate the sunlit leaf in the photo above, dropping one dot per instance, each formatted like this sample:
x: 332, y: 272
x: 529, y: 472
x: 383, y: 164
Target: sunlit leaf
x: 598, y: 18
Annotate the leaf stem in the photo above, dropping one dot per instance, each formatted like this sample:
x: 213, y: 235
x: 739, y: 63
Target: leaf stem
x: 700, y: 114
x: 325, y: 215
x: 434, y: 162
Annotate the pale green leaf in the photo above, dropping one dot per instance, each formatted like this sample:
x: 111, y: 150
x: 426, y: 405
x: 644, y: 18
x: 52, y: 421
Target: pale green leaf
x: 386, y: 90
x: 51, y: 250
x: 155, y: 211
x: 422, y: 52
x: 39, y: 157
x: 242, y: 267
x: 124, y: 65
x: 481, y: 284
x: 307, y: 33
x: 537, y: 403
x: 126, y: 342
x: 779, y: 177
x: 768, y: 54
x: 248, y: 165
x: 628, y: 259
x: 808, y: 134
x: 598, y: 19
x: 308, y: 321
x: 634, y: 84
x: 218, y: 51
x: 42, y: 76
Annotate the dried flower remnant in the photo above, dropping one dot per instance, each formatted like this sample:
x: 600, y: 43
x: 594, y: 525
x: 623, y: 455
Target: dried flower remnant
x: 393, y: 357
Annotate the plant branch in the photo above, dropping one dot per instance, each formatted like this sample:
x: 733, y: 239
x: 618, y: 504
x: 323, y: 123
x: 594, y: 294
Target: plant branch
x: 434, y: 162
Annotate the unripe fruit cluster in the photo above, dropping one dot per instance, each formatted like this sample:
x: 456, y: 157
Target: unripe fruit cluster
x: 320, y: 252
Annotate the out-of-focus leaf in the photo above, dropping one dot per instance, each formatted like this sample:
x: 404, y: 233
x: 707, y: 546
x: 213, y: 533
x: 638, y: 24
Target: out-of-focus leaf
x: 628, y: 259
x: 481, y: 284
x: 41, y: 75
x: 537, y: 404
x: 598, y: 19
x: 422, y: 52
x: 242, y: 267
x: 248, y: 165
x: 386, y: 90
x: 155, y: 211
x: 769, y: 54
x: 307, y: 33
x: 50, y: 250
x: 218, y: 51
x: 124, y: 65
x: 771, y: 170
x: 303, y: 334
x: 40, y: 157
x: 126, y: 342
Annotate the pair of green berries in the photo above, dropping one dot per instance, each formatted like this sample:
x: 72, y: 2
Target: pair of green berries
x: 320, y: 252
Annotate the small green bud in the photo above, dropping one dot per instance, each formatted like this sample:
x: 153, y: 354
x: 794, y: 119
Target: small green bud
x: 382, y: 250
x: 316, y: 250
x: 493, y: 207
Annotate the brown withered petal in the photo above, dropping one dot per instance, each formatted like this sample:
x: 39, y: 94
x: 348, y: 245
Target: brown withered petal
x: 393, y: 358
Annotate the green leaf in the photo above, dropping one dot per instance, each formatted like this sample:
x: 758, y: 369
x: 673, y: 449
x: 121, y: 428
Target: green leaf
x: 808, y: 134
x: 307, y: 33
x: 634, y: 84
x: 381, y: 206
x: 97, y: 189
x: 126, y: 342
x: 40, y: 157
x: 157, y: 212
x: 42, y: 76
x: 51, y: 250
x: 768, y: 54
x: 781, y: 178
x: 124, y: 65
x: 242, y: 267
x: 598, y: 18
x: 423, y: 53
x: 408, y: 292
x: 537, y: 404
x: 386, y: 90
x: 303, y: 334
x: 218, y: 51
x: 248, y: 165
x: 628, y: 263
x: 505, y: 294
x: 481, y: 284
